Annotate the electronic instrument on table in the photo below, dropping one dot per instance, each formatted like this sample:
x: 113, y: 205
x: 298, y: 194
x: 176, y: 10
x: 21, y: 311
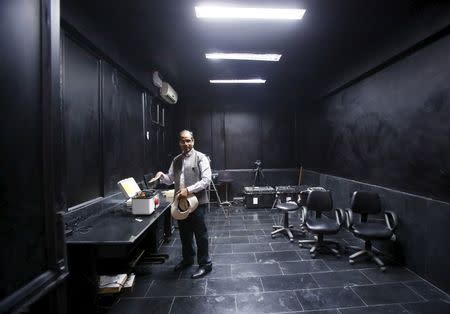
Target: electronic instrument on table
x: 141, y: 202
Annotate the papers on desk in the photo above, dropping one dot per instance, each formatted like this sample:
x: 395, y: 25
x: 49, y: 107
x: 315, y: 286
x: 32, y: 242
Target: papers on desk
x: 115, y: 283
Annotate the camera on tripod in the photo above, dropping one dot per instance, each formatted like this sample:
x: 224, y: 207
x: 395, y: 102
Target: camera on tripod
x: 259, y: 179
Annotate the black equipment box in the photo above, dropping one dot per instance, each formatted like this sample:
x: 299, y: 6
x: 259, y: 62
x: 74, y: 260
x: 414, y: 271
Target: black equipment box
x: 259, y: 196
x: 286, y: 193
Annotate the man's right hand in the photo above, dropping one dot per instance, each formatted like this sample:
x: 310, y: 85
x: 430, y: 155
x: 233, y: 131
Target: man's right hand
x: 158, y: 175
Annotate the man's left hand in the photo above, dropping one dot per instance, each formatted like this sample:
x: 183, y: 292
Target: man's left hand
x: 183, y: 192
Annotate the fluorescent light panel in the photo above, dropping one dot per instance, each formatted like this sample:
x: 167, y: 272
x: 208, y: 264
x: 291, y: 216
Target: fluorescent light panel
x: 244, y: 56
x: 239, y: 81
x: 224, y: 12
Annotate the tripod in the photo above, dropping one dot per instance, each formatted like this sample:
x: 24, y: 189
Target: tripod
x: 225, y: 213
x: 259, y: 176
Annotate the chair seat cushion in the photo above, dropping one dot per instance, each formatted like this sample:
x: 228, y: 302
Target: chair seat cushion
x: 289, y: 206
x: 322, y: 225
x: 371, y: 230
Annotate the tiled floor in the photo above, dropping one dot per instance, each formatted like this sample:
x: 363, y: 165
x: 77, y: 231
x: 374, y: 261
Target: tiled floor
x: 253, y: 273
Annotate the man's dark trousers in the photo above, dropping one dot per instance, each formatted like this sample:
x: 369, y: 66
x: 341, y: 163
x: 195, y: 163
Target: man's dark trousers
x: 195, y: 224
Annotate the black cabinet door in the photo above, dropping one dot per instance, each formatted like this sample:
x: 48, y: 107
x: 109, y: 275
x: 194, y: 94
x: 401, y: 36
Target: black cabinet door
x: 31, y: 237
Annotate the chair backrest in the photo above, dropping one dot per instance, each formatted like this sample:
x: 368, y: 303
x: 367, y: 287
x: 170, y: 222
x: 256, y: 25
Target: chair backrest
x: 319, y: 201
x: 366, y: 203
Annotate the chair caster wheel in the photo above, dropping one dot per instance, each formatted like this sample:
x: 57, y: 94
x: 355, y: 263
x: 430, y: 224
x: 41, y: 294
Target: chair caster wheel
x: 338, y: 255
x: 300, y: 245
x: 351, y: 261
x: 273, y: 236
x: 313, y: 256
x: 383, y: 269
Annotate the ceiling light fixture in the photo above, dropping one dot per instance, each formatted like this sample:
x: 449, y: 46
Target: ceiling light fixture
x: 244, y: 56
x: 236, y: 81
x: 223, y: 12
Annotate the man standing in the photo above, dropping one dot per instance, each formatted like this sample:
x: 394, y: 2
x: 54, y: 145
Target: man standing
x: 191, y: 173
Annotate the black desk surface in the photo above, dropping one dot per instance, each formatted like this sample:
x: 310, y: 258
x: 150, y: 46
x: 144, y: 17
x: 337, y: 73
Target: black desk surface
x: 117, y: 226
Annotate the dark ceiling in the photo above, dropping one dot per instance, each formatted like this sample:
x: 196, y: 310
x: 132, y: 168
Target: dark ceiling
x: 332, y: 36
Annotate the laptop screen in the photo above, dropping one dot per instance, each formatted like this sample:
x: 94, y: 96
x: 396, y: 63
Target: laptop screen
x: 129, y: 187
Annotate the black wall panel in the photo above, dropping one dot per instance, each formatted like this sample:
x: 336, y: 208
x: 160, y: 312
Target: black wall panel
x: 112, y: 146
x: 242, y: 139
x: 148, y: 135
x: 81, y: 112
x: 32, y: 264
x: 201, y: 126
x: 278, y: 139
x: 218, y: 140
x: 391, y: 128
x: 123, y: 128
x: 130, y: 122
x: 21, y: 176
x: 106, y: 117
x: 236, y: 137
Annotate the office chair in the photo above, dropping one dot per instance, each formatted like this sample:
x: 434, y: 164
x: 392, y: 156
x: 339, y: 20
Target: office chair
x: 285, y: 208
x: 319, y: 202
x: 365, y: 204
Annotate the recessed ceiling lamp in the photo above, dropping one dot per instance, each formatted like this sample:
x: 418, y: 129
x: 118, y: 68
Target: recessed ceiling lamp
x: 244, y: 56
x: 224, y: 12
x: 236, y: 81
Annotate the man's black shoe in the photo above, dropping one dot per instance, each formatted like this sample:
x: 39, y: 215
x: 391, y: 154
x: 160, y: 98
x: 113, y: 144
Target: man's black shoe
x: 201, y: 271
x: 182, y: 265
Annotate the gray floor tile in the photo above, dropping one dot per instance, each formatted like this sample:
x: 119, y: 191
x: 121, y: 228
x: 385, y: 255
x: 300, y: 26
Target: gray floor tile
x: 165, y: 271
x: 142, y: 305
x: 341, y: 278
x: 254, y: 270
x: 267, y: 239
x: 386, y: 294
x: 427, y: 291
x: 342, y: 263
x: 221, y: 248
x: 269, y: 302
x: 233, y: 286
x: 237, y: 258
x: 230, y: 240
x: 238, y: 233
x: 272, y: 257
x: 180, y: 287
x: 378, y: 309
x: 303, y: 267
x: 312, y: 299
x: 288, y: 282
x: 253, y: 247
x: 209, y: 304
x: 287, y: 246
x: 431, y: 307
x: 392, y: 274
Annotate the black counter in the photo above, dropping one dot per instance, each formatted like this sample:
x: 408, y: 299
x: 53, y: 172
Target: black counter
x: 114, y: 227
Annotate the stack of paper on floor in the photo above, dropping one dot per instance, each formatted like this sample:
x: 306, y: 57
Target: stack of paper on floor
x: 112, y: 284
x: 129, y: 283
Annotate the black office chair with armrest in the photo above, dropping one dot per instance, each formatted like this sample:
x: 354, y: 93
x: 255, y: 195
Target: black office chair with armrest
x: 286, y: 228
x: 365, y: 204
x: 319, y: 202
